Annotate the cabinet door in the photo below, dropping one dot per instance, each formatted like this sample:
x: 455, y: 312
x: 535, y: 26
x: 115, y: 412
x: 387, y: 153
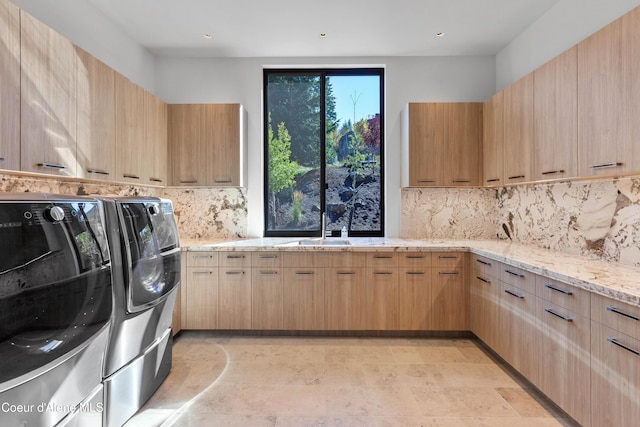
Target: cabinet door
x: 201, y: 291
x: 346, y: 299
x: 518, y: 130
x: 630, y: 71
x: 48, y: 100
x: 426, y: 144
x: 484, y: 308
x: 234, y: 298
x: 449, y: 305
x: 221, y: 136
x: 518, y: 343
x: 563, y: 363
x: 9, y: 86
x: 131, y: 151
x: 96, y: 146
x: 382, y: 298
x: 414, y: 297
x: 463, y: 130
x: 556, y: 117
x: 155, y: 121
x: 303, y: 299
x: 600, y: 102
x: 493, y: 140
x: 266, y: 298
x: 615, y: 375
x: 187, y: 162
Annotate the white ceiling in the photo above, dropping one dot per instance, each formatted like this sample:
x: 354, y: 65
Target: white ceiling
x: 291, y: 28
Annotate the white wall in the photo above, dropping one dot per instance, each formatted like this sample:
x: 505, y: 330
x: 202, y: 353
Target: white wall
x: 86, y: 27
x: 407, y: 79
x: 563, y: 26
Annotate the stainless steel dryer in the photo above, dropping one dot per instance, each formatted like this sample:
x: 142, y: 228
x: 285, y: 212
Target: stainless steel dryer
x: 146, y: 273
x: 55, y: 309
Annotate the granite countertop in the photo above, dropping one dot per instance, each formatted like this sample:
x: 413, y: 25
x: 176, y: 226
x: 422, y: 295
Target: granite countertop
x: 613, y: 280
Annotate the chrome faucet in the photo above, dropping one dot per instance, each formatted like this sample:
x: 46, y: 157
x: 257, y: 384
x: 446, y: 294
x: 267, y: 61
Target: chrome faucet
x: 324, y: 225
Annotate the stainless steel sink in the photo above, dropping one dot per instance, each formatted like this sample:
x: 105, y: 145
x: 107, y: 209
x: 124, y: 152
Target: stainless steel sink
x: 323, y: 242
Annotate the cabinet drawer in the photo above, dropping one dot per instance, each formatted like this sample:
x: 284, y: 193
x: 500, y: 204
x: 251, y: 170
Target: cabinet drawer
x: 301, y: 259
x: 519, y: 278
x: 616, y: 315
x: 235, y: 259
x: 202, y: 259
x: 486, y: 266
x: 382, y: 260
x: 415, y: 260
x: 564, y: 295
x: 447, y: 259
x: 266, y: 259
x: 342, y: 259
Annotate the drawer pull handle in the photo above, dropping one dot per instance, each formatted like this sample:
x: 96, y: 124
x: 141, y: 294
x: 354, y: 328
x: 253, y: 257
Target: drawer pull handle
x: 346, y: 272
x: 448, y: 273
x: 235, y: 256
x: 2, y: 159
x: 513, y: 273
x: 427, y: 180
x: 553, y: 288
x: 191, y: 181
x: 566, y: 319
x: 606, y: 165
x: 493, y: 180
x: 98, y: 171
x: 382, y: 272
x: 415, y: 272
x: 130, y: 176
x: 514, y: 294
x: 460, y: 181
x: 482, y: 279
x: 268, y: 272
x: 203, y: 272
x: 448, y: 257
x: 382, y: 256
x: 305, y: 272
x: 152, y: 179
x: 51, y: 166
x: 267, y: 256
x: 234, y: 272
x: 622, y: 313
x: 553, y: 172
x: 222, y: 180
x: 516, y: 177
x: 203, y: 256
x: 619, y: 344
x: 483, y: 262
x: 414, y: 256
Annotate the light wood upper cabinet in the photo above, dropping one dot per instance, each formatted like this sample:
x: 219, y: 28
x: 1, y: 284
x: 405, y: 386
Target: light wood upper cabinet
x: 555, y: 143
x: 630, y: 74
x: 463, y: 129
x: 493, y: 141
x: 601, y: 95
x: 96, y: 142
x: 518, y: 131
x: 426, y: 144
x: 9, y: 86
x: 443, y: 142
x: 206, y: 144
x: 155, y: 119
x: 130, y: 131
x: 48, y: 100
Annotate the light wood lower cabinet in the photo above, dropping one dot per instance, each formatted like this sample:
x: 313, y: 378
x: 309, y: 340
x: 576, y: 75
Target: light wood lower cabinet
x: 414, y: 294
x: 303, y: 298
x: 234, y: 298
x: 266, y: 298
x: 381, y: 299
x: 484, y: 307
x: 346, y: 299
x: 202, y: 298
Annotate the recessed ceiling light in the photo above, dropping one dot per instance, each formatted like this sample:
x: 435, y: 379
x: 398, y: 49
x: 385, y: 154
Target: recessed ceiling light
x: 440, y: 34
x: 207, y: 36
x: 323, y: 35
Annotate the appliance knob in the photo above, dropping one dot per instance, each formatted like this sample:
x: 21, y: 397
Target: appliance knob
x: 54, y: 213
x: 154, y: 210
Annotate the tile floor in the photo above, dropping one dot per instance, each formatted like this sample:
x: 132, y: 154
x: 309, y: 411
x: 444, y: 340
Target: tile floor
x: 319, y: 381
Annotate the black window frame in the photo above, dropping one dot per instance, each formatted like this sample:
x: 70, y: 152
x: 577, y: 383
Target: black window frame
x: 322, y: 73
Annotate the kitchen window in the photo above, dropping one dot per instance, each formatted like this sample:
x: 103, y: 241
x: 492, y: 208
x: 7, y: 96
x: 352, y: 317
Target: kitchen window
x: 324, y: 151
